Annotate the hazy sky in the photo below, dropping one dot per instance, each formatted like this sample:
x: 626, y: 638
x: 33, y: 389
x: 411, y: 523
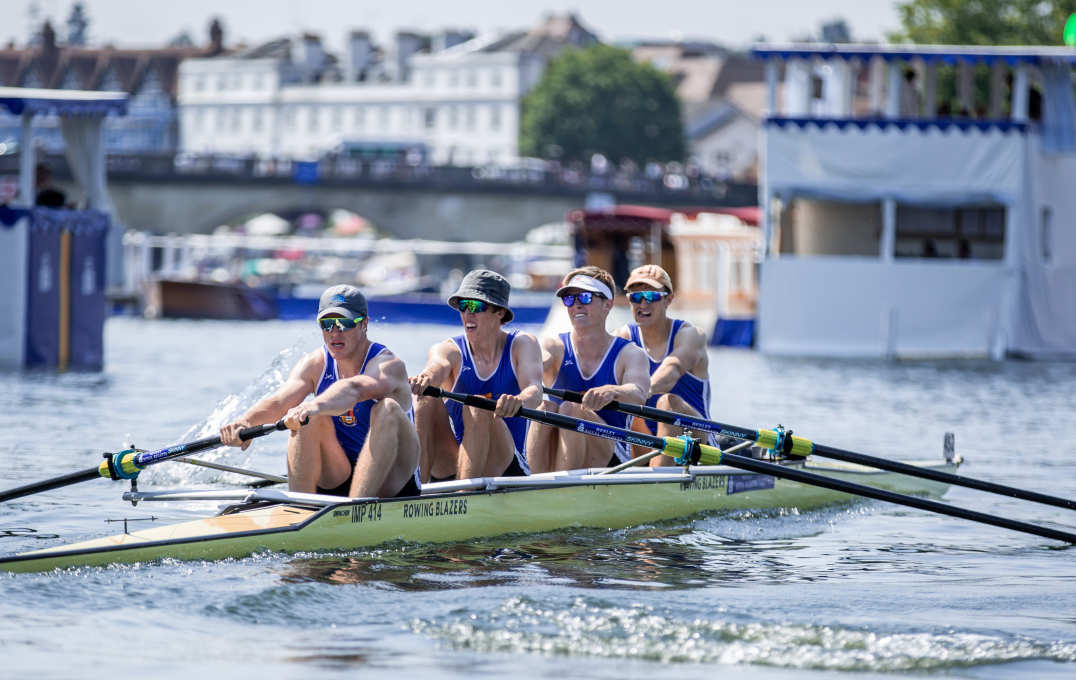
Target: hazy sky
x: 731, y: 22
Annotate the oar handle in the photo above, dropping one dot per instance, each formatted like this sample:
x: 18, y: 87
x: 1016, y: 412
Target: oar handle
x: 708, y: 455
x: 672, y: 418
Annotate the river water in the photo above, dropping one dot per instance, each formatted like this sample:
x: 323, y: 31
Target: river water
x: 860, y: 591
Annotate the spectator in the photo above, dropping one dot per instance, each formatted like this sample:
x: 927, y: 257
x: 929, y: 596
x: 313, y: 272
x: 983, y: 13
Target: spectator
x: 48, y: 196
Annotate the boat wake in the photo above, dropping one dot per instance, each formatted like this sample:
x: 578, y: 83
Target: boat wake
x: 592, y: 627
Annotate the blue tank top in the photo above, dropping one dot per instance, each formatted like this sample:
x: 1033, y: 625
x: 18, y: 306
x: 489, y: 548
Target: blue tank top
x: 692, y: 390
x: 502, y: 381
x: 353, y: 426
x: 569, y: 377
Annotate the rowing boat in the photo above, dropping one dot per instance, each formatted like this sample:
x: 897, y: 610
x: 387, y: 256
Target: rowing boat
x: 269, y: 519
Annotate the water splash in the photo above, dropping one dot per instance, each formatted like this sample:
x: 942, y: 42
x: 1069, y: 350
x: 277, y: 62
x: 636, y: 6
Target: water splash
x: 590, y: 627
x: 265, y: 454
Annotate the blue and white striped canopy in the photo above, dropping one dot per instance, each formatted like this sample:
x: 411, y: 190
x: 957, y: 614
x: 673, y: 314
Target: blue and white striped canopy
x: 949, y: 54
x: 62, y: 102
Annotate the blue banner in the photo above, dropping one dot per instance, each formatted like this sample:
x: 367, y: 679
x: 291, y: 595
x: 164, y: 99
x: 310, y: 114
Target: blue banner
x: 88, y: 304
x: 43, y: 293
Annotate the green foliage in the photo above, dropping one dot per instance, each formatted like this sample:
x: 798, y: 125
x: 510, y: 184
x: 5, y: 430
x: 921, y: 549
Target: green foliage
x: 599, y: 100
x: 984, y: 22
x: 980, y: 22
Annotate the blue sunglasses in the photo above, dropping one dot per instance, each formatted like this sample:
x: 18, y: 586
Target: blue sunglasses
x: 648, y: 295
x: 581, y: 298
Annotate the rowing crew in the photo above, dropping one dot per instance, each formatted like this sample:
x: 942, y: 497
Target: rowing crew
x: 369, y: 431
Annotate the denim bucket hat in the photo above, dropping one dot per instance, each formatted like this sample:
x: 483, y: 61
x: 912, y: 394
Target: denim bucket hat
x: 487, y: 286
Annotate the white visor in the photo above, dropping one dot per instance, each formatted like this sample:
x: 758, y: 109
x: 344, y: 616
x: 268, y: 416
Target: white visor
x: 584, y: 282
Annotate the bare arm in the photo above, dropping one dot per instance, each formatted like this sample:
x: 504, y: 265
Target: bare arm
x: 301, y: 381
x: 552, y: 355
x: 441, y: 363
x: 385, y: 376
x: 633, y: 375
x: 527, y: 362
x: 688, y: 346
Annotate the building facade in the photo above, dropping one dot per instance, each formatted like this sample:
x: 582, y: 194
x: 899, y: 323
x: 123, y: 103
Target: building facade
x: 458, y: 98
x: 148, y: 77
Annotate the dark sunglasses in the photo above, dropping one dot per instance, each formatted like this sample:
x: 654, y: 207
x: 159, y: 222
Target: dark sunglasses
x: 472, y: 306
x: 648, y: 295
x: 342, y: 324
x: 581, y: 298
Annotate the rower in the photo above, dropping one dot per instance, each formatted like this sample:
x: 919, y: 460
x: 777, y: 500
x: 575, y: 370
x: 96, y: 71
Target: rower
x: 356, y: 437
x: 464, y: 442
x: 675, y: 350
x: 590, y: 360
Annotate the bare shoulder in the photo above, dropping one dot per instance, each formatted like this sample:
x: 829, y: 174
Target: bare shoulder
x: 623, y: 332
x: 311, y: 366
x: 690, y: 335
x: 446, y: 349
x: 524, y: 340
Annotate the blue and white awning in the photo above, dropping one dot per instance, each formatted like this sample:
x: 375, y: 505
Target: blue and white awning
x: 62, y: 102
x: 948, y: 54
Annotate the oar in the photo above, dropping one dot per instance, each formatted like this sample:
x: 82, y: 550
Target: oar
x: 127, y: 464
x: 700, y: 453
x: 798, y: 446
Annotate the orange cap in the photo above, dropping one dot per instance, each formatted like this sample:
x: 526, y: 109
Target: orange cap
x: 651, y: 274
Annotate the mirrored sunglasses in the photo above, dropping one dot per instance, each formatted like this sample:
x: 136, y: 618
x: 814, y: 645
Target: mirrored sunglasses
x: 649, y: 295
x: 472, y: 306
x: 341, y: 324
x: 584, y: 298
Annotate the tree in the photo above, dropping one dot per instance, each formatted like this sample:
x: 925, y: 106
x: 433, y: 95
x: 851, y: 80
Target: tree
x: 980, y: 22
x: 984, y: 22
x: 599, y: 100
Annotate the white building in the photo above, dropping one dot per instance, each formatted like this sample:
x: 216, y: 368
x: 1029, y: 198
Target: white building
x: 291, y: 99
x: 896, y: 229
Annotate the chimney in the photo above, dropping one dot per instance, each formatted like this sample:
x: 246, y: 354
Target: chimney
x: 360, y: 56
x: 407, y: 45
x: 216, y: 37
x: 313, y: 57
x: 451, y: 37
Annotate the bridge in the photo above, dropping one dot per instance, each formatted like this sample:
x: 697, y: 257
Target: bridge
x: 183, y: 193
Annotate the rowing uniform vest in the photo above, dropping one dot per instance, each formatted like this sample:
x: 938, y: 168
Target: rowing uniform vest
x: 502, y: 381
x: 570, y: 377
x: 353, y: 426
x: 694, y: 391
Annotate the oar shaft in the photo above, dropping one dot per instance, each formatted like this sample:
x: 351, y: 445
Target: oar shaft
x: 704, y: 425
x: 941, y: 476
x: 772, y: 469
x: 140, y: 460
x: 763, y: 467
x: 48, y: 484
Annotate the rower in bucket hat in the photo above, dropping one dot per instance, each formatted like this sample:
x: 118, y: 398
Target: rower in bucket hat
x: 460, y: 442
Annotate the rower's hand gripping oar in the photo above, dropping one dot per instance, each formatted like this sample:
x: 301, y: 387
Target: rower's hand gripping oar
x: 783, y: 442
x: 710, y: 455
x: 127, y: 464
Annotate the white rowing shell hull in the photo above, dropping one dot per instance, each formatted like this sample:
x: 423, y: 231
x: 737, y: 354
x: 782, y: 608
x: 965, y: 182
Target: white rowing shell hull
x: 467, y: 515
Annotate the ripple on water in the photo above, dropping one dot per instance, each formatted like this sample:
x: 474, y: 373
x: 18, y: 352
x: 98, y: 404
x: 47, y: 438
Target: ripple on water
x: 592, y: 627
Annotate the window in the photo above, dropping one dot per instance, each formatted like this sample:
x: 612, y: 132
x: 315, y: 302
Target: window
x: 429, y: 118
x: 471, y: 112
x: 495, y: 117
x: 453, y: 117
x: 358, y: 118
x: 495, y: 78
x: 256, y: 119
x: 312, y: 118
x: 964, y: 232
x: 337, y: 118
x: 472, y: 78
